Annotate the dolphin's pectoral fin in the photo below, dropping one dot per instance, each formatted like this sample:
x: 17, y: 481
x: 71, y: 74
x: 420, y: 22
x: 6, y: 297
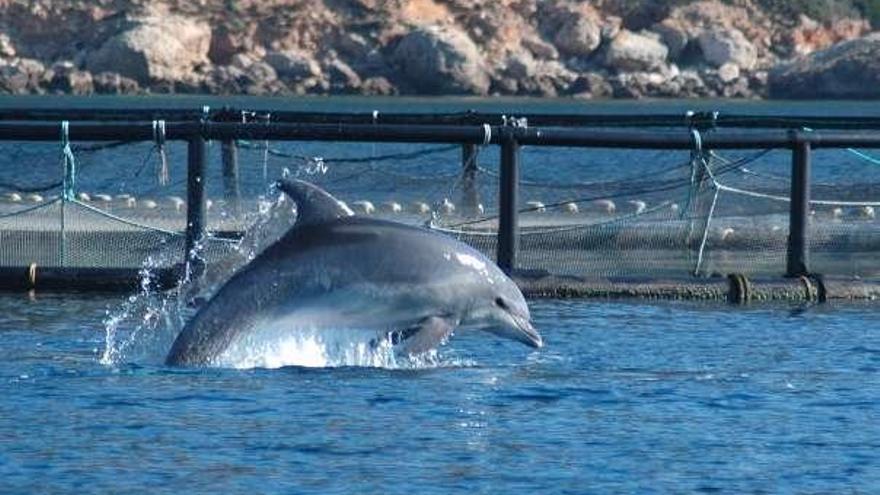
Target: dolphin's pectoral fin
x: 427, y: 334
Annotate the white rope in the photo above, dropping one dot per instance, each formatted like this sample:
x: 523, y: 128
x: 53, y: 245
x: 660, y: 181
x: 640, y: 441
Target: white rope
x: 487, y: 134
x: 125, y: 221
x: 706, y: 233
x: 30, y: 208
x: 821, y: 202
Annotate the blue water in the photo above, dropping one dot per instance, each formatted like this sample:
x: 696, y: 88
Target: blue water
x: 625, y: 397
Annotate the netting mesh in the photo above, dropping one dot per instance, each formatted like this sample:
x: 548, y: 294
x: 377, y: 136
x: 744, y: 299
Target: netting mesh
x: 589, y: 212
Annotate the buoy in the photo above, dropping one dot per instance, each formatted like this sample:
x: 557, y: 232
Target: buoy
x: 674, y: 207
x: 837, y: 213
x: 605, y: 206
x: 570, y: 208
x: 638, y: 206
x: 14, y: 197
x: 208, y: 204
x: 480, y: 209
x: 447, y: 207
x: 149, y: 204
x: 84, y: 197
x: 867, y: 212
x: 363, y: 206
x: 421, y: 208
x: 726, y: 233
x: 35, y: 198
x: 392, y: 207
x: 177, y: 203
x: 104, y: 198
x: 129, y: 202
x: 536, y: 206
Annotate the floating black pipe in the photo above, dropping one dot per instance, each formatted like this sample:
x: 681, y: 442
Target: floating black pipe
x: 618, y: 119
x: 586, y: 138
x: 798, y: 247
x: 508, y: 211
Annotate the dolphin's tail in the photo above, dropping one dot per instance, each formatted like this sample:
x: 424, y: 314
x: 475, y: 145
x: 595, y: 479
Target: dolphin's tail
x: 313, y: 204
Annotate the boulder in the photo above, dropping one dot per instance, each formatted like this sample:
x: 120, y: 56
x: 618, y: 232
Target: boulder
x: 728, y: 46
x: 156, y: 48
x: 846, y: 70
x: 7, y: 49
x: 579, y: 36
x: 630, y: 51
x: 293, y: 65
x: 342, y: 77
x: 441, y: 60
x: 13, y: 80
x: 113, y: 83
x: 66, y: 78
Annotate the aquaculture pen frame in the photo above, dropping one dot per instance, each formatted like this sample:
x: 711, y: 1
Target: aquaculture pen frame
x: 467, y: 129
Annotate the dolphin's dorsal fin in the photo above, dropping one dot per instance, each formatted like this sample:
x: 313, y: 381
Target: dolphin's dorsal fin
x: 313, y: 204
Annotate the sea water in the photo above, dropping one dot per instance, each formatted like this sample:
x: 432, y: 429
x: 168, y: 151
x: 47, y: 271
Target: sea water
x: 625, y: 397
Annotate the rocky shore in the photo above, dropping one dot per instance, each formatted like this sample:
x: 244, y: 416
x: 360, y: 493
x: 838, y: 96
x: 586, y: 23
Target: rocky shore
x: 601, y: 49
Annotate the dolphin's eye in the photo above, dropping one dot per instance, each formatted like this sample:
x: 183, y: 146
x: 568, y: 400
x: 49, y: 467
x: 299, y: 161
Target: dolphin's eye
x: 500, y: 303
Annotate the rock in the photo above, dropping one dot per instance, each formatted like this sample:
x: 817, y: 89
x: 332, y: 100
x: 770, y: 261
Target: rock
x: 7, y: 49
x: 592, y: 85
x: 13, y: 80
x: 540, y: 48
x: 378, y: 86
x: 441, y: 60
x: 730, y: 46
x: 66, y: 78
x: 342, y: 77
x: 159, y: 47
x: 352, y: 45
x: 293, y: 65
x: 579, y: 36
x: 22, y: 77
x: 728, y: 72
x: 629, y: 51
x: 847, y: 70
x: 674, y: 35
x: 113, y: 83
x: 810, y: 36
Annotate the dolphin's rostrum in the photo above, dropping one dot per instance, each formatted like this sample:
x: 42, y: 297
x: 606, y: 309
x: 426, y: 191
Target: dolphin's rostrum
x: 334, y: 271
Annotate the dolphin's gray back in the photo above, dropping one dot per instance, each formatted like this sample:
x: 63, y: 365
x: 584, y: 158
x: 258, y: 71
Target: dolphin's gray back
x: 312, y: 261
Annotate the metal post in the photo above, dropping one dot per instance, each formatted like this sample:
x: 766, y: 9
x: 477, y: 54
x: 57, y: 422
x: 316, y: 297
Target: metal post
x: 798, y: 249
x: 229, y: 153
x: 508, y: 216
x: 196, y: 224
x: 470, y: 196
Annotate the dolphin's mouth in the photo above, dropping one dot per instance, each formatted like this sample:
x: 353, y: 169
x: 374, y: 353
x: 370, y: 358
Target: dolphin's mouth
x: 527, y: 333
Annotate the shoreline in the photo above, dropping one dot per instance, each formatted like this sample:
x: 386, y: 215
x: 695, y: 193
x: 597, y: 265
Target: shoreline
x: 528, y: 48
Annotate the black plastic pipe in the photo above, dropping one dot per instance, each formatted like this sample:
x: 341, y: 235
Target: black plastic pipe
x: 584, y: 138
x: 470, y: 117
x: 508, y: 211
x: 798, y: 218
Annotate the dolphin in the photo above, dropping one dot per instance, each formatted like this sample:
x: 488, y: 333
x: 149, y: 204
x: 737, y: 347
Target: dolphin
x: 411, y: 286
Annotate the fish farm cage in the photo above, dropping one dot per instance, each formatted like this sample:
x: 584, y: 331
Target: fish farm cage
x: 701, y: 205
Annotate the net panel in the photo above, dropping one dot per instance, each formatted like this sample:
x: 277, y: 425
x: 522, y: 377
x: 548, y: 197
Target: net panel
x: 595, y: 212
